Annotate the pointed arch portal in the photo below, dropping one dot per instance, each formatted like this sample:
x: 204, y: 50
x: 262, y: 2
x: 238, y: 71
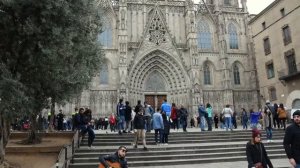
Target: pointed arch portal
x: 158, y: 74
x: 158, y: 62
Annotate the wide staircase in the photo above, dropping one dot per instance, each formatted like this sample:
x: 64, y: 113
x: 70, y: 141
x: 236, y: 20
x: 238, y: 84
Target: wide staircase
x: 184, y: 148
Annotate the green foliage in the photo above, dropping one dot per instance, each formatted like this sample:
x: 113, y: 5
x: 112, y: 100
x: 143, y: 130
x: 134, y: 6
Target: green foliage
x: 49, y: 49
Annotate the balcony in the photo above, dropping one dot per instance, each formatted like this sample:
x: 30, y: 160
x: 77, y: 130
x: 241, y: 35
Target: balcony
x: 290, y: 73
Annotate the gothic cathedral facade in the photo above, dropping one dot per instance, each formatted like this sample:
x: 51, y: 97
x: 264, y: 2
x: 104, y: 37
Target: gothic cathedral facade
x: 187, y: 53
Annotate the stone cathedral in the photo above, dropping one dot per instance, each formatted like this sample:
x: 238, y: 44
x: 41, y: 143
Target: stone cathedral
x: 178, y: 50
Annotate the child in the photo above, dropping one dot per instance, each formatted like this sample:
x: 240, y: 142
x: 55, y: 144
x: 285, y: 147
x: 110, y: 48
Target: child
x: 112, y: 122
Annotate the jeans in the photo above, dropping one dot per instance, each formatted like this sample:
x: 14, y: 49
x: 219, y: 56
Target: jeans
x: 91, y: 134
x: 148, y: 123
x: 269, y: 133
x: 165, y: 138
x: 183, y: 121
x: 245, y: 124
x: 158, y: 131
x: 228, y: 123
x: 209, y: 123
x: 202, y: 123
x: 121, y: 123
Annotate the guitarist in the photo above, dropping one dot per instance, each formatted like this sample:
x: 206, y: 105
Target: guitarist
x: 116, y: 160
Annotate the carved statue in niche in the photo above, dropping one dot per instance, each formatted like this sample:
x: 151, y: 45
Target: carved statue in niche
x: 192, y: 22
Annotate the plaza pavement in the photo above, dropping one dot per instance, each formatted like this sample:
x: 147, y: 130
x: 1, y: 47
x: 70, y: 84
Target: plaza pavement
x: 277, y: 163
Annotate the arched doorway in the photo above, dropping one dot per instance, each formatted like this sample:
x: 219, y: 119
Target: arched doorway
x: 156, y: 76
x: 155, y: 89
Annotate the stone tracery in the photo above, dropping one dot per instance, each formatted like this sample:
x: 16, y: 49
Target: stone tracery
x: 161, y: 62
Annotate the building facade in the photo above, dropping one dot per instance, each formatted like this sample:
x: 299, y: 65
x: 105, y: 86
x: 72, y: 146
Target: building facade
x: 276, y: 37
x: 176, y: 50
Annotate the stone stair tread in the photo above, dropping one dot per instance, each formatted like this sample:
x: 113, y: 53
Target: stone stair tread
x: 228, y: 158
x: 186, y: 155
x: 177, y: 150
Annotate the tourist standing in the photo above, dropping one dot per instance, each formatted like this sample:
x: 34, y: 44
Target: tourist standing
x: 158, y: 126
x: 257, y: 156
x: 166, y: 108
x: 201, y: 111
x: 183, y: 117
x: 268, y: 123
x: 166, y: 131
x: 174, y: 118
x: 274, y: 113
x: 227, y: 112
x: 128, y: 118
x: 291, y: 140
x: 244, y: 119
x: 121, y: 116
x: 139, y: 126
x: 209, y: 111
x: 112, y: 122
x: 281, y: 115
x: 216, y: 121
x: 147, y: 116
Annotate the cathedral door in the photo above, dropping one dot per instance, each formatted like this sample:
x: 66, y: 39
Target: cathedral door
x: 155, y: 100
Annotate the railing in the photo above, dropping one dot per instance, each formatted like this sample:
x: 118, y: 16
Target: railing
x: 66, y: 154
x: 287, y: 72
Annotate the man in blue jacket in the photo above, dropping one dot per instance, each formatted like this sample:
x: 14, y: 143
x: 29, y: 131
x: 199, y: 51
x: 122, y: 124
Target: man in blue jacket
x: 166, y: 107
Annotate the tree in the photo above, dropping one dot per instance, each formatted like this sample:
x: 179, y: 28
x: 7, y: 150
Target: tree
x: 48, y: 49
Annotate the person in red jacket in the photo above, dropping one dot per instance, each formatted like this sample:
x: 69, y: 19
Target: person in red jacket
x: 174, y: 117
x: 112, y: 122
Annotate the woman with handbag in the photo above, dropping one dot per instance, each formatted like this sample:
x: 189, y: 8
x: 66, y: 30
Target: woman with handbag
x: 282, y: 115
x: 257, y: 156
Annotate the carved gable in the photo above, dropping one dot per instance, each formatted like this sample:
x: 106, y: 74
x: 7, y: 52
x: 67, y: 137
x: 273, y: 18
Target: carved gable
x: 157, y: 29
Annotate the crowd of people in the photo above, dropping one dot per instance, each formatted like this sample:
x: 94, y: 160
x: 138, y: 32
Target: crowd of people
x: 266, y: 119
x: 143, y: 118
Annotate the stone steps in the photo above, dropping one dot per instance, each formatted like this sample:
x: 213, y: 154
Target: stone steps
x: 183, y: 149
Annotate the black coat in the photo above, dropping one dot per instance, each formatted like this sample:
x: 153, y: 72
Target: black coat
x: 127, y: 113
x: 291, y: 142
x: 256, y: 152
x: 139, y: 121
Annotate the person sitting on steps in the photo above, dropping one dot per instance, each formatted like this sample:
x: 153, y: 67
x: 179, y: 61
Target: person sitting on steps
x: 116, y: 159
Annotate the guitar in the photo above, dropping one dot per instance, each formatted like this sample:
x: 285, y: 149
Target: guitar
x: 111, y: 164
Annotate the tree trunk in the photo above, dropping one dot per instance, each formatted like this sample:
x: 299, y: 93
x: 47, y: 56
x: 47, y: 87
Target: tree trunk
x: 33, y: 137
x: 52, y: 110
x: 4, y: 135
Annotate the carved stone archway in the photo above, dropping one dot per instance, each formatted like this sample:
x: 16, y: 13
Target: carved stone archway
x: 171, y: 73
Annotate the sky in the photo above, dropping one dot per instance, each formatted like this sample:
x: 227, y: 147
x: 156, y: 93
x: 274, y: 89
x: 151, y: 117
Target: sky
x: 254, y: 6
